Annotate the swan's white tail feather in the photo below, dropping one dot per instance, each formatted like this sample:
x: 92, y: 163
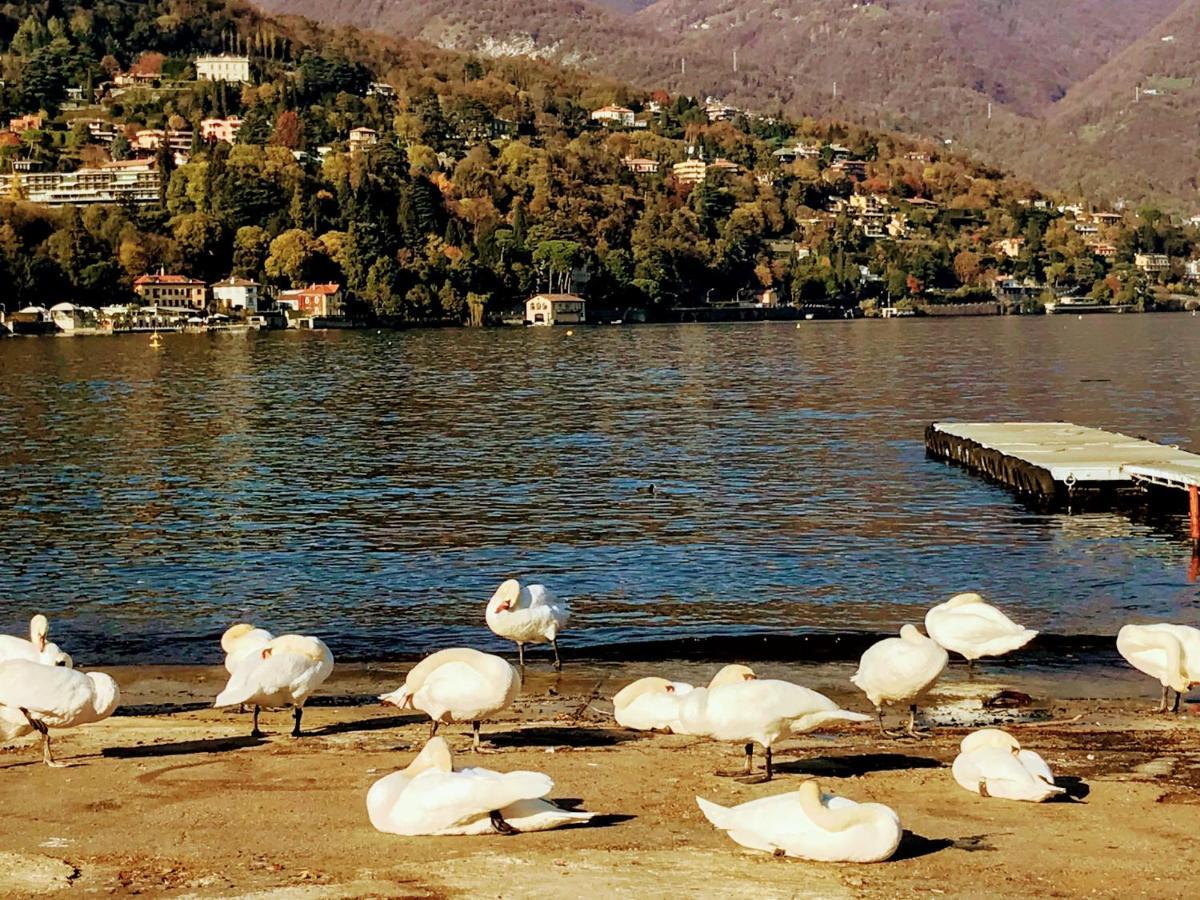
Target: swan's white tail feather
x: 714, y: 812
x: 814, y: 720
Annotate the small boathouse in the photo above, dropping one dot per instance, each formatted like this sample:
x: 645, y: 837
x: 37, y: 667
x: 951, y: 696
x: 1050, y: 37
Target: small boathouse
x: 1060, y: 465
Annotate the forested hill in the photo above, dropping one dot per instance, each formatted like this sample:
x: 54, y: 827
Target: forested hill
x: 441, y: 186
x: 931, y: 67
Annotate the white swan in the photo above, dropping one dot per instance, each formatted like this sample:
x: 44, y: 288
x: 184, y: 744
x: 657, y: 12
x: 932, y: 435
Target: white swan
x: 900, y: 670
x: 992, y: 764
x: 737, y: 706
x: 36, y: 697
x: 810, y: 825
x: 431, y: 797
x: 1169, y: 653
x: 37, y: 648
x: 458, y: 685
x: 527, y: 614
x: 283, y: 673
x: 242, y: 640
x: 650, y: 704
x: 972, y: 628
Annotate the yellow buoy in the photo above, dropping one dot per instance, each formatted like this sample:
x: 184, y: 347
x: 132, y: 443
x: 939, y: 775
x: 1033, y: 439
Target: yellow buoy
x: 569, y: 332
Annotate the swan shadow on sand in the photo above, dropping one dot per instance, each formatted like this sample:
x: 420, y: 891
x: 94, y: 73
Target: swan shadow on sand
x: 374, y: 723
x: 914, y: 846
x: 184, y: 748
x: 850, y: 766
x: 598, y: 820
x: 561, y: 737
x: 1076, y: 789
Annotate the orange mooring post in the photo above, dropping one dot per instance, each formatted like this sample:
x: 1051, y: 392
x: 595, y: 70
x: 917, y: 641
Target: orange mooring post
x: 1194, y: 511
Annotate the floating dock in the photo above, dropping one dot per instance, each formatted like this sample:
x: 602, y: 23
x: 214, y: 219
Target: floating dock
x: 1058, y: 464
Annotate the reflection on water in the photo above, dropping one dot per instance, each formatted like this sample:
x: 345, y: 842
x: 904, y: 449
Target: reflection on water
x: 375, y: 487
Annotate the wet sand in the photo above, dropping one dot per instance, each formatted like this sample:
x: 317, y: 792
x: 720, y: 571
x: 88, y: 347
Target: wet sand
x: 172, y: 797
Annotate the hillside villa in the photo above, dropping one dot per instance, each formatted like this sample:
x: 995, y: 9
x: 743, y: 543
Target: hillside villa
x: 214, y: 130
x: 223, y: 68
x: 614, y: 115
x: 1152, y: 263
x: 640, y: 166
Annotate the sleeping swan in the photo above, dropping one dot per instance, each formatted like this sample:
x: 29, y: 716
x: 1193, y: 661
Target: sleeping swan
x: 650, y: 704
x: 431, y: 797
x: 971, y: 627
x: 900, y: 670
x: 992, y: 764
x: 810, y: 825
x: 36, y: 697
x: 737, y: 706
x: 458, y: 685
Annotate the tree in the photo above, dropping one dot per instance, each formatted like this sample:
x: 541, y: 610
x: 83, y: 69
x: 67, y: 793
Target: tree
x: 289, y: 132
x: 555, y: 261
x: 293, y: 256
x: 251, y: 246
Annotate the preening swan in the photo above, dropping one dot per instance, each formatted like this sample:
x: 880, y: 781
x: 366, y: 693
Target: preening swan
x: 992, y: 764
x: 810, y: 825
x: 650, y: 704
x: 1169, y: 653
x: 969, y: 626
x: 242, y: 640
x: 458, y: 685
x: 900, y: 670
x: 37, y: 649
x: 37, y: 697
x: 527, y: 614
x: 737, y: 706
x: 283, y: 673
x: 431, y: 797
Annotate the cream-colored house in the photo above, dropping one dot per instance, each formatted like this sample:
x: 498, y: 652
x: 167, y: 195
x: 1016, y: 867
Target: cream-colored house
x: 555, y: 309
x: 223, y: 68
x: 236, y: 293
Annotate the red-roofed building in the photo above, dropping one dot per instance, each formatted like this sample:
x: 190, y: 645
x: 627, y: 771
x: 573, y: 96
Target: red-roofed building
x: 178, y: 291
x: 317, y: 300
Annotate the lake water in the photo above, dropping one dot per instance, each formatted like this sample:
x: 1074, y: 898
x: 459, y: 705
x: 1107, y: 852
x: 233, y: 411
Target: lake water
x: 374, y: 488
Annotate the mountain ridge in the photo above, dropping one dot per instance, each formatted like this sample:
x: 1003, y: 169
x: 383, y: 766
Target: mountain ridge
x: 926, y: 67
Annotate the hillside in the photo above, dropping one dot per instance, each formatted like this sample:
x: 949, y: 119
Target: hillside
x: 928, y: 67
x: 423, y: 185
x: 1144, y: 104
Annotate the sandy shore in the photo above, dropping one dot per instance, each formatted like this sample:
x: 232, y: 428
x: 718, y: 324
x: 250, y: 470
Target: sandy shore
x: 177, y: 799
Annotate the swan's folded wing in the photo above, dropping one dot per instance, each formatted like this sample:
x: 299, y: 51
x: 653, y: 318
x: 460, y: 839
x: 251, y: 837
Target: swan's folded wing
x: 16, y: 648
x: 456, y: 685
x: 1035, y: 766
x: 42, y: 689
x: 540, y: 600
x: 453, y: 799
x: 980, y: 623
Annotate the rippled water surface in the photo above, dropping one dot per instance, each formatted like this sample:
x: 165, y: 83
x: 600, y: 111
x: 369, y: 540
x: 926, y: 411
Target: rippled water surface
x: 375, y: 487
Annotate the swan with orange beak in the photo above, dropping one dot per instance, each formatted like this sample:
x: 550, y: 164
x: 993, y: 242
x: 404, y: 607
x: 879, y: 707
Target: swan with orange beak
x: 527, y: 614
